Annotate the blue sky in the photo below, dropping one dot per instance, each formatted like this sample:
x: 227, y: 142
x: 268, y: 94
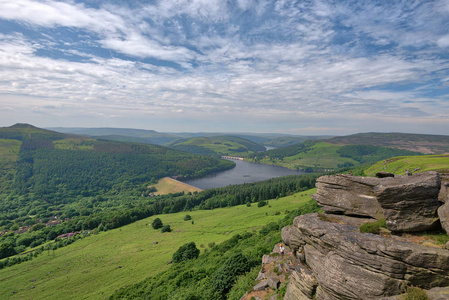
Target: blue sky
x: 296, y: 67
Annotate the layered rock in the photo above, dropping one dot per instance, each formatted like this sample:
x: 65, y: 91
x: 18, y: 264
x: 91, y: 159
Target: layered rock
x: 347, y: 264
x: 408, y: 203
x: 349, y: 195
x: 334, y: 260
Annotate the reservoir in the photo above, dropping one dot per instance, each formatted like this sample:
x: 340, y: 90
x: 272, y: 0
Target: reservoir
x: 243, y: 172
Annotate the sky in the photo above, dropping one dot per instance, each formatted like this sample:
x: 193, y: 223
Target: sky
x: 294, y: 67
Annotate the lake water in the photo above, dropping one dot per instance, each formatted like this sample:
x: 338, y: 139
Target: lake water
x: 243, y: 172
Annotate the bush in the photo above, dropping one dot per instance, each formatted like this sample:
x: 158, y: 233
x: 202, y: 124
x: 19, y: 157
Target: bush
x: 262, y: 203
x: 7, y: 249
x: 373, y: 227
x: 225, y: 276
x: 415, y: 293
x: 166, y: 228
x: 157, y: 223
x: 187, y: 218
x: 268, y: 228
x: 186, y: 252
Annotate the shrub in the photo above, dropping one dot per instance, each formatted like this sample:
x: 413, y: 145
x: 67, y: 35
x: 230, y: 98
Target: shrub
x: 187, y: 218
x: 7, y: 249
x: 166, y: 228
x: 372, y: 227
x: 415, y: 293
x: 157, y: 223
x: 268, y: 228
x: 225, y: 276
x: 262, y: 203
x: 186, y: 252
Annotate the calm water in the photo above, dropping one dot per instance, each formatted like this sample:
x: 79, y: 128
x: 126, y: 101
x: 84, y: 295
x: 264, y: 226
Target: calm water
x: 243, y: 172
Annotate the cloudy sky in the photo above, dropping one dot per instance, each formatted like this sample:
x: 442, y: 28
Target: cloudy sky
x: 296, y: 67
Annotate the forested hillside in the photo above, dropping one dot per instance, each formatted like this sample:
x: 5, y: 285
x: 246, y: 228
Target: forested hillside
x: 48, y: 177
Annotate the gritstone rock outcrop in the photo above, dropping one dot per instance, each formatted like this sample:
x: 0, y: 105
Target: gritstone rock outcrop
x: 332, y: 259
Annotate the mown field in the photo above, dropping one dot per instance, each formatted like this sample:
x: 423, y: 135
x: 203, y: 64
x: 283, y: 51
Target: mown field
x: 412, y: 164
x: 98, y: 265
x: 169, y: 185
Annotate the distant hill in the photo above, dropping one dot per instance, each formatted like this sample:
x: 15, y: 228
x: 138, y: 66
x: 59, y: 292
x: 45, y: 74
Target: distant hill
x: 324, y: 156
x: 410, y: 164
x: 285, y: 141
x: 122, y: 134
x: 424, y: 143
x: 218, y: 145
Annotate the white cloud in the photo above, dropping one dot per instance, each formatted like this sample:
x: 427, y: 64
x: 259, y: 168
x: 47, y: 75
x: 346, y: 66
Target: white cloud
x: 288, y: 60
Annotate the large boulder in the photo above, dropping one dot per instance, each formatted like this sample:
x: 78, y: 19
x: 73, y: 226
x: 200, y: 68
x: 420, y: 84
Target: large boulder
x: 410, y: 203
x: 348, y: 264
x: 349, y: 195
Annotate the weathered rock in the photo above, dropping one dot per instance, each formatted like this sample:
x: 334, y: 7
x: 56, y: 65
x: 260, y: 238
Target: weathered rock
x: 293, y: 293
x: 410, y: 203
x: 443, y: 196
x: 302, y: 282
x: 261, y: 286
x: 438, y: 293
x: 273, y: 283
x: 349, y: 195
x: 273, y: 297
x: 348, y: 264
x: 443, y: 214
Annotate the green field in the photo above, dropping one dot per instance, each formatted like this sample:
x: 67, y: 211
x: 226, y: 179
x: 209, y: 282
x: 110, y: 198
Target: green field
x: 9, y: 150
x: 412, y: 164
x: 95, y: 267
x: 322, y: 155
x: 169, y: 185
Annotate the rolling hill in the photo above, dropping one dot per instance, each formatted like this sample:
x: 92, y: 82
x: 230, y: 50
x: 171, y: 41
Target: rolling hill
x: 218, y: 145
x: 410, y: 164
x: 121, y: 134
x: 424, y: 143
x: 324, y: 156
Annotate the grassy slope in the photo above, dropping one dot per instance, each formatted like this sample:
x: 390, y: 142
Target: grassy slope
x: 425, y: 143
x: 221, y: 144
x: 89, y: 268
x: 169, y: 185
x: 320, y: 155
x: 9, y: 150
x: 399, y: 165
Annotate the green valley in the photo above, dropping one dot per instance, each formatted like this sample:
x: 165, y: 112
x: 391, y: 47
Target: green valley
x: 98, y: 265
